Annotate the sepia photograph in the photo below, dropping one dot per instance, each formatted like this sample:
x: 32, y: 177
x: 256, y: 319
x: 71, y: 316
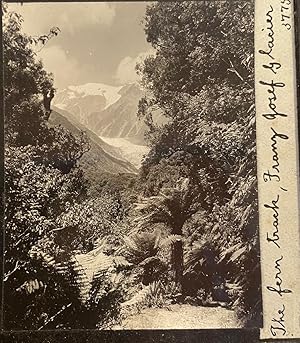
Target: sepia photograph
x: 131, y: 197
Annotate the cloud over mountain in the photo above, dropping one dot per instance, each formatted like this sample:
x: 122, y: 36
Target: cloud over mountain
x: 126, y: 72
x: 57, y: 61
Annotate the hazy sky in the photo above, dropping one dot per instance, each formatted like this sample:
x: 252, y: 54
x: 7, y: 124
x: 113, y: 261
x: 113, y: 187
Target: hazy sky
x: 99, y: 42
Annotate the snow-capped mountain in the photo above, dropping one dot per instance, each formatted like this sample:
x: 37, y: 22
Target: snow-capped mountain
x: 73, y: 97
x: 108, y: 111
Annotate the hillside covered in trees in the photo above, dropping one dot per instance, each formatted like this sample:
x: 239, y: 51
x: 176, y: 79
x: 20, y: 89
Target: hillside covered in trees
x: 89, y: 253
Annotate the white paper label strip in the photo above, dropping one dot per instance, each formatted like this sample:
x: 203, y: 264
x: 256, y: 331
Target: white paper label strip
x: 277, y: 154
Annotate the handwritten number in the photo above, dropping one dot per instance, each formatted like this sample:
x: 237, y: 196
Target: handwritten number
x: 287, y: 25
x: 283, y: 17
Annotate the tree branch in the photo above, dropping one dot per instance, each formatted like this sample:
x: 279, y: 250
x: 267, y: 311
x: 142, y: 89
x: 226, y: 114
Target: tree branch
x: 233, y: 70
x: 54, y: 316
x: 16, y: 267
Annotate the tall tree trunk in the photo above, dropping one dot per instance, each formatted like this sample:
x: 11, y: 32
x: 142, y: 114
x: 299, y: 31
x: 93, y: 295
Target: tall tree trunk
x: 177, y: 261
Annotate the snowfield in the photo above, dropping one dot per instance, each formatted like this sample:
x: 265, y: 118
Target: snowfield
x: 110, y: 93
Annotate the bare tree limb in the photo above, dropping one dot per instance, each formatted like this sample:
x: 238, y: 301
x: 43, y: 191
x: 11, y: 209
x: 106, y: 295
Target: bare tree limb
x: 233, y: 70
x: 16, y: 267
x: 55, y: 315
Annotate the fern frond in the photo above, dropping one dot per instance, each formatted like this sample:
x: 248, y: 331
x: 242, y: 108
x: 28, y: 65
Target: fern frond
x: 230, y: 250
x: 120, y: 261
x: 92, y: 264
x: 237, y: 254
x: 30, y: 286
x: 233, y: 252
x: 148, y: 261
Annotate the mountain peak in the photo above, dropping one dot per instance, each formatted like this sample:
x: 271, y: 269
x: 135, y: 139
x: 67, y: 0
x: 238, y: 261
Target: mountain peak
x: 110, y: 93
x: 109, y: 111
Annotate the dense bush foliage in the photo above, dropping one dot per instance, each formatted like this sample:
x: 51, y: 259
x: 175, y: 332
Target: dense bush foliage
x: 42, y: 280
x: 201, y: 79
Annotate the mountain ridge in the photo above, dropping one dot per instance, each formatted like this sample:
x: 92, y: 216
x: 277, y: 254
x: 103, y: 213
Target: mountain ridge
x: 102, y: 157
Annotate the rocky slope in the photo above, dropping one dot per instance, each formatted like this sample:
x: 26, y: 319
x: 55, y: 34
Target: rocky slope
x: 102, y: 157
